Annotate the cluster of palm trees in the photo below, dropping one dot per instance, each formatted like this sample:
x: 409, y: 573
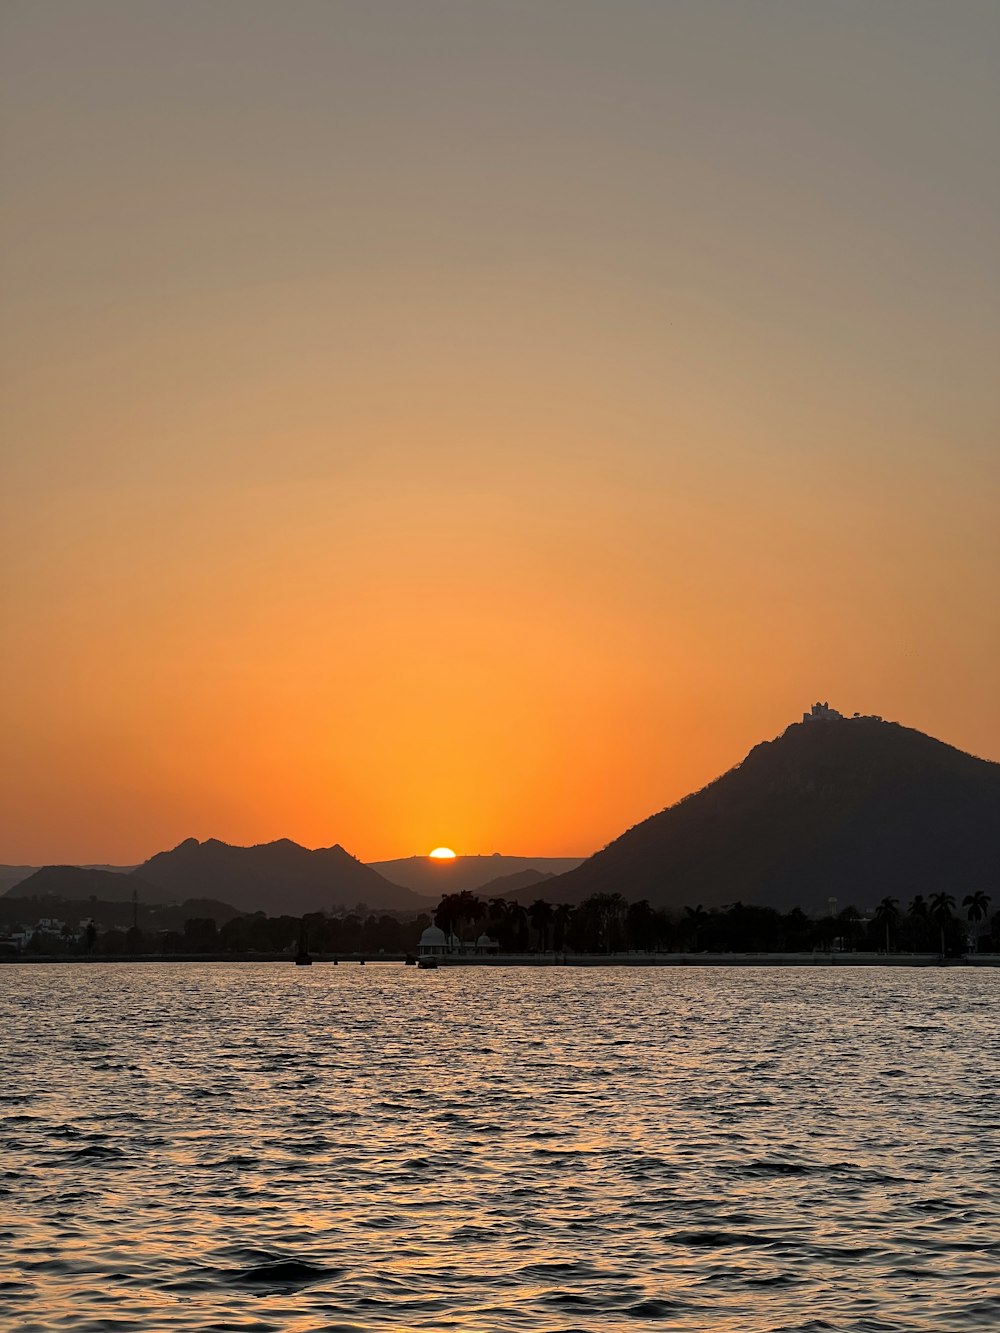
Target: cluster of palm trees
x: 937, y: 910
x: 606, y: 923
x: 508, y: 922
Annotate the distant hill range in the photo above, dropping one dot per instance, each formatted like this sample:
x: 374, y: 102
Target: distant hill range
x: 77, y: 883
x: 274, y: 877
x: 10, y: 876
x: 281, y: 876
x: 847, y: 808
x: 433, y: 878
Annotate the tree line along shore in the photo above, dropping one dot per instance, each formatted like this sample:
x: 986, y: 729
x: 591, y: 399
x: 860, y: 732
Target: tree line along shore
x: 603, y: 925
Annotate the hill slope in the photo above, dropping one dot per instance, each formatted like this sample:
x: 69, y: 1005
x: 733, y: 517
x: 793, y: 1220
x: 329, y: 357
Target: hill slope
x: 434, y: 878
x: 11, y: 876
x: 273, y: 877
x: 848, y: 808
x: 78, y: 883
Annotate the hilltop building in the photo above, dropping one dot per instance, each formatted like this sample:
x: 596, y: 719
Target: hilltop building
x: 824, y: 713
x: 821, y: 713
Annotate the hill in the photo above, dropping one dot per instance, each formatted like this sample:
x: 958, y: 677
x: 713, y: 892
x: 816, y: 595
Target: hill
x: 433, y: 878
x: 11, y: 876
x: 845, y: 808
x: 78, y: 883
x: 106, y: 913
x: 524, y: 886
x: 274, y: 877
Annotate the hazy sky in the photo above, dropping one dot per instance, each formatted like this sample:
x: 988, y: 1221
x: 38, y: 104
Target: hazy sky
x: 480, y: 423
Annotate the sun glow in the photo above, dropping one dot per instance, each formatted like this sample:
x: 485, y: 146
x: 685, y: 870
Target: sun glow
x: 442, y: 854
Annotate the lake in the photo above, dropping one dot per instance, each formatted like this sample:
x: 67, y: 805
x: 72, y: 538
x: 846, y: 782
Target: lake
x: 263, y: 1147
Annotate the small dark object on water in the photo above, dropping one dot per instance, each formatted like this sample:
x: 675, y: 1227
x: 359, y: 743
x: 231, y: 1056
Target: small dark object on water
x: 302, y: 958
x: 425, y: 963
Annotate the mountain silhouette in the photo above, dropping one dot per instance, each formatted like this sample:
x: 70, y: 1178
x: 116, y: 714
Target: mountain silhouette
x: 476, y: 873
x: 847, y: 808
x: 523, y: 886
x: 11, y: 876
x: 75, y: 883
x: 273, y: 877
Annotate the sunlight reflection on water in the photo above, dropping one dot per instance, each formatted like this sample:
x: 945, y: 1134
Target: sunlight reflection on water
x: 263, y: 1147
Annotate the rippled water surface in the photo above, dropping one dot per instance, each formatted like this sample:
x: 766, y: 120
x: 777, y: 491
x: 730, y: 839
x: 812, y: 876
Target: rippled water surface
x: 236, y: 1147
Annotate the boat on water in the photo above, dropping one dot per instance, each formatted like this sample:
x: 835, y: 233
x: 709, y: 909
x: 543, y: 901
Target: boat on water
x: 426, y: 963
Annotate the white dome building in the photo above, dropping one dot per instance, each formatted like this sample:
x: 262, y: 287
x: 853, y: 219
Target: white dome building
x: 432, y: 942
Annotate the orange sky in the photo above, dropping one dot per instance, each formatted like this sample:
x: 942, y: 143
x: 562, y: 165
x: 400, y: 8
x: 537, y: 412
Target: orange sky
x: 480, y: 425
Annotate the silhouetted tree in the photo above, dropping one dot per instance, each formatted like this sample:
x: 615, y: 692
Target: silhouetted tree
x: 598, y: 923
x: 517, y: 922
x: 640, y: 923
x: 977, y: 905
x: 561, y: 919
x: 940, y: 913
x: 695, y: 918
x: 848, y: 919
x: 887, y: 913
x: 919, y: 912
x: 540, y: 915
x: 200, y: 934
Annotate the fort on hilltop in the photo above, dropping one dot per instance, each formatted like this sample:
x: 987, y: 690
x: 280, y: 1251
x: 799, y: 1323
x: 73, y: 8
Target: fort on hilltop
x: 824, y: 713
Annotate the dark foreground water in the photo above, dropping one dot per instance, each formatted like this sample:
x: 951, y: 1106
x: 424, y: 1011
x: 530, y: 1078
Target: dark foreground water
x: 236, y: 1147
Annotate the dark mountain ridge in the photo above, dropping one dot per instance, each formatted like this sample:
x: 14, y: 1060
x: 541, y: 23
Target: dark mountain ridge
x: 846, y: 808
x: 76, y: 883
x: 273, y: 877
x: 476, y: 873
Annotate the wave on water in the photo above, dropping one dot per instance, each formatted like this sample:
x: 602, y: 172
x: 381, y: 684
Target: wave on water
x: 259, y: 1147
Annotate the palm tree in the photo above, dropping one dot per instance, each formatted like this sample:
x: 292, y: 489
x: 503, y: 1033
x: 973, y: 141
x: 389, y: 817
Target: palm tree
x: 446, y: 915
x: 497, y: 911
x: 541, y: 914
x: 940, y: 912
x: 977, y: 904
x: 888, y: 913
x: 640, y: 920
x: 697, y: 916
x: 470, y: 908
x: 517, y: 918
x: 560, y: 924
x: 918, y: 911
x: 848, y: 919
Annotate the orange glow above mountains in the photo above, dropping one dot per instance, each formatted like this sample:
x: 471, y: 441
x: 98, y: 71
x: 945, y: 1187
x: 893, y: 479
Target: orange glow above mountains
x: 486, y: 419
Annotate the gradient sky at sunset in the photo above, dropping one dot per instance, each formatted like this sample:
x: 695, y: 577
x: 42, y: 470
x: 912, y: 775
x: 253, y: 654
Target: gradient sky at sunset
x: 480, y: 423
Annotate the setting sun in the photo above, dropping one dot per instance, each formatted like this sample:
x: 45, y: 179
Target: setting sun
x: 442, y: 854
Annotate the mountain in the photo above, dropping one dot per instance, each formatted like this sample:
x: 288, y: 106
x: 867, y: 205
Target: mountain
x: 274, y: 877
x: 847, y: 808
x: 77, y: 883
x: 432, y: 877
x: 524, y: 886
x: 10, y: 876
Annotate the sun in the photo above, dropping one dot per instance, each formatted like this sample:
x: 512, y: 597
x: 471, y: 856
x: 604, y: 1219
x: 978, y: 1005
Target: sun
x: 442, y: 854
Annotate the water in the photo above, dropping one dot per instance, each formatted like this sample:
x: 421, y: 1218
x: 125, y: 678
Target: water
x: 263, y: 1147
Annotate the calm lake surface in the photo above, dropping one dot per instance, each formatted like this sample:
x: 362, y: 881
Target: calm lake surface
x: 263, y: 1147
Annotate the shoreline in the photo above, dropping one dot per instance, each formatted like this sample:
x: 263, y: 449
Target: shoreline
x: 820, y: 960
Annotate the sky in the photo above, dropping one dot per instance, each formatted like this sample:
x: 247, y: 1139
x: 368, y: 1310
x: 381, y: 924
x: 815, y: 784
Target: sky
x: 480, y: 424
